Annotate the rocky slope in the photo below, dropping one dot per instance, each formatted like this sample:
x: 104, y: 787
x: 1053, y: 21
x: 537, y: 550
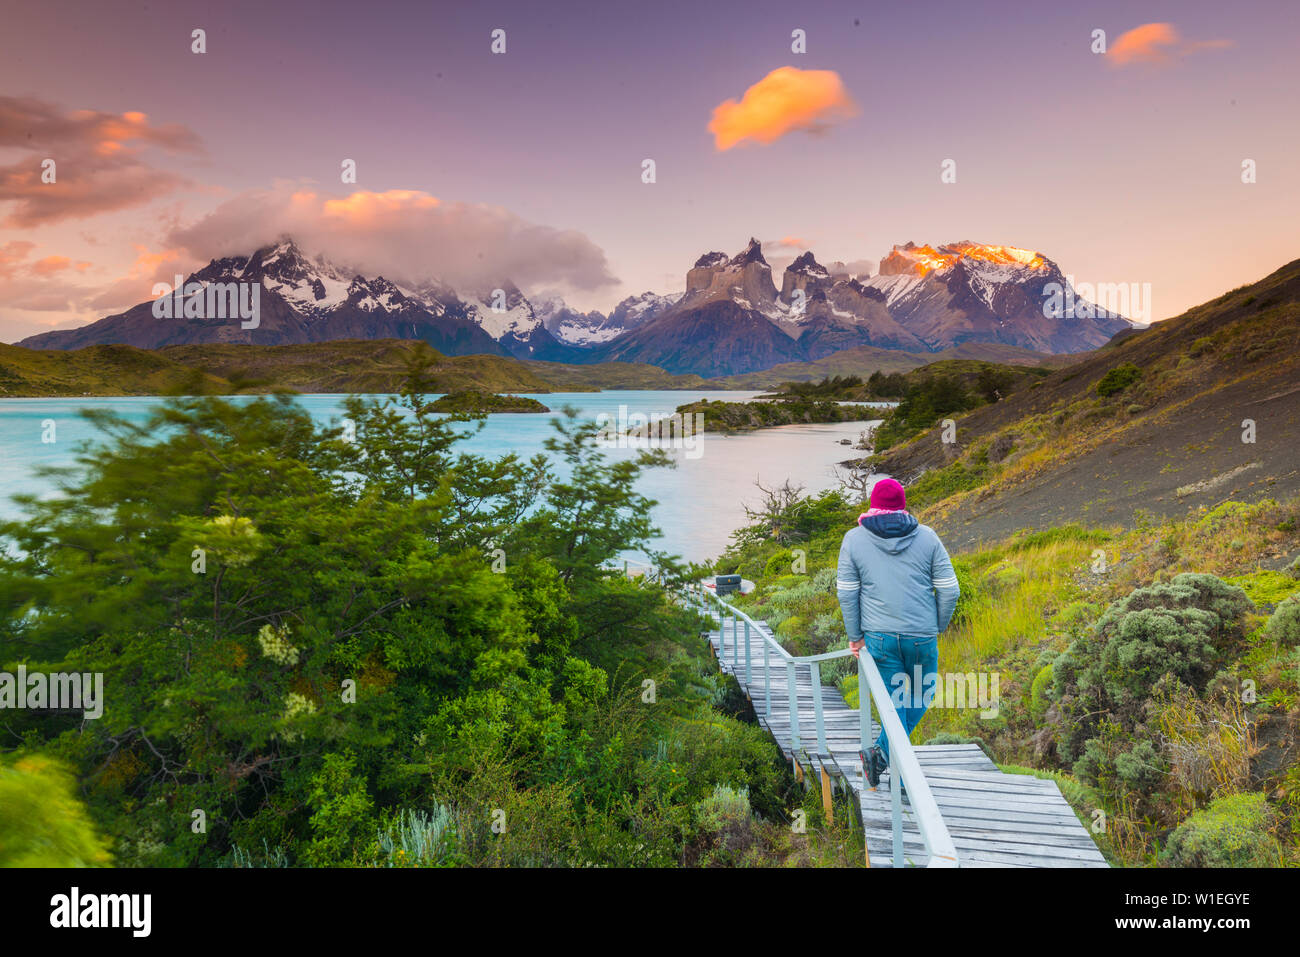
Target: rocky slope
x: 1203, y: 409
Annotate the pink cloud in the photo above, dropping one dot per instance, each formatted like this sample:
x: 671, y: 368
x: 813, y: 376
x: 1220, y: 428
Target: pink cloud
x: 1157, y: 44
x: 98, y: 161
x: 403, y: 234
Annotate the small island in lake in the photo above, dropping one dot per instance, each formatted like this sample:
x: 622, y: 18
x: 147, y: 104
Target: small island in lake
x: 472, y: 400
x: 746, y: 416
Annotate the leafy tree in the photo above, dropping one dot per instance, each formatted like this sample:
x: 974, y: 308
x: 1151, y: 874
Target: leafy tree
x: 305, y: 629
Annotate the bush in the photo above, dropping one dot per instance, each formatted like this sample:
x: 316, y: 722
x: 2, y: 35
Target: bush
x: 1179, y: 632
x: 1266, y: 587
x: 971, y: 596
x: 725, y: 826
x: 1284, y: 625
x: 1039, y: 692
x: 1234, y: 831
x: 1002, y: 577
x: 1118, y: 379
x: 42, y: 824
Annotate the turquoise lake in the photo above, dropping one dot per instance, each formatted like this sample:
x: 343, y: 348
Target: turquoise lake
x: 700, y: 502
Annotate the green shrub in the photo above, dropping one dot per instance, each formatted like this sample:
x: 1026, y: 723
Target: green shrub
x: 1039, y: 693
x: 418, y: 838
x: 1284, y: 624
x: 1266, y: 587
x: 725, y: 827
x: 1182, y: 631
x: 1002, y: 577
x: 972, y: 596
x: 1234, y: 831
x: 725, y: 807
x: 779, y: 564
x: 42, y: 823
x: 1118, y: 379
x: 791, y: 629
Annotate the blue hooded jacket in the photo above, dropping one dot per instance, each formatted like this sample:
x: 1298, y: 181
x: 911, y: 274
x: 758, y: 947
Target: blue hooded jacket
x: 895, y: 576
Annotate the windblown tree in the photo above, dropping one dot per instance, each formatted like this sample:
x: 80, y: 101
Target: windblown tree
x: 305, y: 629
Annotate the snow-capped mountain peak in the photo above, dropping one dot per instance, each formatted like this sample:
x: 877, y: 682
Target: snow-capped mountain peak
x: 911, y: 259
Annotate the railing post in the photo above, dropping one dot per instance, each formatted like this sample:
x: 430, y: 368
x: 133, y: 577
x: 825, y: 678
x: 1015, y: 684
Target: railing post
x: 896, y: 804
x: 815, y: 674
x: 767, y: 681
x: 735, y: 644
x: 722, y: 634
x: 749, y: 668
x: 792, y: 693
x: 864, y: 713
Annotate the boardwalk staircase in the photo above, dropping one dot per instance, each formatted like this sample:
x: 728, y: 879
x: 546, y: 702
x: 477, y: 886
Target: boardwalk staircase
x: 955, y: 808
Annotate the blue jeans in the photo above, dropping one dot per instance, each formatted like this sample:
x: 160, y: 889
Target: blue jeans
x: 898, y: 657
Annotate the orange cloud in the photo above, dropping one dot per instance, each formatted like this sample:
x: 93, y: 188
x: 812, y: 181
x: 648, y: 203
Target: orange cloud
x: 50, y: 265
x: 785, y: 100
x: 11, y: 254
x: 1157, y: 44
x: 100, y: 164
x: 365, y: 208
x: 137, y: 285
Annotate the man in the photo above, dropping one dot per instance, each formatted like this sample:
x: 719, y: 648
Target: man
x: 897, y: 591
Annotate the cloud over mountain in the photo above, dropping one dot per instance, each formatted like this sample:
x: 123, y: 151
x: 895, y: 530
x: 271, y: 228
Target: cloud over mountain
x: 406, y: 234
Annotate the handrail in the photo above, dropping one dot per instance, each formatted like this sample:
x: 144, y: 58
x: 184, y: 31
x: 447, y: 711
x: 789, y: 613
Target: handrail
x: 903, y: 763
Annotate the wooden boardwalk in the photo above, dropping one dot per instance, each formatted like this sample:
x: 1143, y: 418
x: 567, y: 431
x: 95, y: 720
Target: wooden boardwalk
x: 995, y: 819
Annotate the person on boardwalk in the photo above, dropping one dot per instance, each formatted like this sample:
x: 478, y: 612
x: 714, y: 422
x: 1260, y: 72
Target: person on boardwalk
x: 897, y: 592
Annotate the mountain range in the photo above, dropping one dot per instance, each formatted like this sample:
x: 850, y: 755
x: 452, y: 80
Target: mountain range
x: 731, y: 318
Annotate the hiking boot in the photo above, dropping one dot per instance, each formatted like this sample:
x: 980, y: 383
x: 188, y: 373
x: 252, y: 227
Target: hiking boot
x: 872, y: 764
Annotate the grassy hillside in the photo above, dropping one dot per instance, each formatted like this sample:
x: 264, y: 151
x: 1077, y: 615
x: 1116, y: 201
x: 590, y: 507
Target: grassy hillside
x: 1192, y: 411
x: 346, y: 365
x: 611, y: 375
x: 359, y: 365
x: 97, y: 370
x: 865, y: 360
x: 351, y: 365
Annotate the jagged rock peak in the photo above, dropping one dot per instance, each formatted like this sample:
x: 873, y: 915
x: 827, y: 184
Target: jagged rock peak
x: 709, y: 260
x: 809, y: 266
x: 753, y: 254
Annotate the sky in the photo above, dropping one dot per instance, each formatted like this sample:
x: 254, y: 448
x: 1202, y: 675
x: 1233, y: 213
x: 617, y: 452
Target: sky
x: 529, y: 164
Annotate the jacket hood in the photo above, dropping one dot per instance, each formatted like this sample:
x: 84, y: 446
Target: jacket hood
x: 892, y: 532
